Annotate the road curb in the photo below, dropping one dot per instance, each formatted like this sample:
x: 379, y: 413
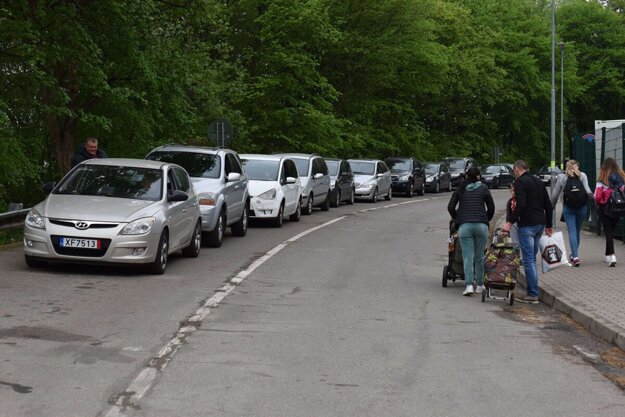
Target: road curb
x: 598, y: 326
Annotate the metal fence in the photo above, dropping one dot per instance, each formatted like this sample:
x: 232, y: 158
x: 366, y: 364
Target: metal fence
x: 13, y: 219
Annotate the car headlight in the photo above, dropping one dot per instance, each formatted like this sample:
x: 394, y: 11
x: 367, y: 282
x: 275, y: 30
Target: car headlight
x: 429, y: 179
x: 366, y: 185
x: 34, y: 219
x: 268, y: 195
x: 332, y: 185
x: 139, y: 227
x: 207, y: 199
x: 404, y: 178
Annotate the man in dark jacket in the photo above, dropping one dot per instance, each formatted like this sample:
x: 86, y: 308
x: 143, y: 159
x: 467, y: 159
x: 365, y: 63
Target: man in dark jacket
x: 533, y: 215
x: 88, y: 151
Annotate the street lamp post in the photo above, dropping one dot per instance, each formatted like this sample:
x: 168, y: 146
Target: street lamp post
x: 561, y: 45
x: 553, y: 92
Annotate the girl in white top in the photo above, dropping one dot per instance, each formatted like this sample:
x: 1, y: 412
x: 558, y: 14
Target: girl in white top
x: 574, y: 207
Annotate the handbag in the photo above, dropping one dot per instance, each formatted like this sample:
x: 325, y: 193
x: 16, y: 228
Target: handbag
x: 552, y: 251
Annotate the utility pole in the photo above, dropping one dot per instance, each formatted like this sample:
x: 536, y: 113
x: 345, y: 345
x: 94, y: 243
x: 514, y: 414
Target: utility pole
x: 553, y: 92
x: 561, y: 44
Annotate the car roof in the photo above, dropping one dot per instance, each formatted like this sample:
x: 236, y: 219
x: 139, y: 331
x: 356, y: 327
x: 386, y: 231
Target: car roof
x: 364, y: 160
x: 399, y: 157
x: 128, y: 162
x: 333, y: 159
x: 299, y: 155
x: 261, y: 157
x: 457, y: 158
x: 191, y: 148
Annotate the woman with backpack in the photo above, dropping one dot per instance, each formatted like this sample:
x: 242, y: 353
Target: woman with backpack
x: 611, y: 179
x: 475, y: 209
x: 573, y: 184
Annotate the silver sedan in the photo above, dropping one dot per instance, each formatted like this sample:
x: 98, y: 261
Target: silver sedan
x: 121, y: 211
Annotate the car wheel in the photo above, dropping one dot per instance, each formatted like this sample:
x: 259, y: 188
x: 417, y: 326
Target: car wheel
x: 351, y: 197
x: 215, y: 237
x: 160, y: 261
x: 240, y: 228
x: 496, y: 183
x: 277, y: 222
x: 449, y: 187
x: 422, y: 191
x: 410, y: 191
x: 295, y: 217
x: 374, y: 197
x: 34, y: 262
x: 438, y: 187
x: 193, y: 250
x: 309, y: 205
x: 337, y: 197
x: 389, y: 195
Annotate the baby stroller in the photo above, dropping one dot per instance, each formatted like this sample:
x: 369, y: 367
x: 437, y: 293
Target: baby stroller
x: 501, y: 268
x: 454, y: 269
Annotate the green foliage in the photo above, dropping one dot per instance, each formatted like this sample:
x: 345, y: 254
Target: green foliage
x: 349, y: 78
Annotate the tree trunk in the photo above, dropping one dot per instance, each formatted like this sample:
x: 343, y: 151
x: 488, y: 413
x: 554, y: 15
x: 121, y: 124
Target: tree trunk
x: 63, y: 132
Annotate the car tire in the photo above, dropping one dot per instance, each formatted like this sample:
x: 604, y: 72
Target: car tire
x: 326, y: 204
x: 279, y: 220
x: 193, y: 250
x: 295, y: 217
x: 496, y: 183
x: 336, y: 201
x: 33, y: 262
x: 422, y: 190
x: 352, y: 197
x: 374, y: 197
x: 309, y: 205
x: 160, y: 261
x: 410, y: 191
x: 215, y: 237
x: 449, y: 188
x: 438, y: 187
x: 240, y: 228
x: 389, y: 195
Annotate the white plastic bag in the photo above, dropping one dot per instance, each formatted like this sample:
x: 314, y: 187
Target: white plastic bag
x: 553, y: 252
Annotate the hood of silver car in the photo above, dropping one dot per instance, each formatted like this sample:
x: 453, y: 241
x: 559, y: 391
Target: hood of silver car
x: 207, y: 185
x: 361, y: 179
x: 96, y: 208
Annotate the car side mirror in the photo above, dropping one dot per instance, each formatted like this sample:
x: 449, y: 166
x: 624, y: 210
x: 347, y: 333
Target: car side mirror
x: 290, y: 180
x: 48, y: 187
x: 233, y: 176
x: 177, y: 195
x: 380, y: 175
x: 318, y: 175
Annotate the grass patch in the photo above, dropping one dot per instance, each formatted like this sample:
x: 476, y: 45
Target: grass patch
x: 8, y: 237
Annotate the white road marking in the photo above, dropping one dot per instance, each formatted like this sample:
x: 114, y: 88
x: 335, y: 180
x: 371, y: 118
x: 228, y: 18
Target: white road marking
x: 146, y: 378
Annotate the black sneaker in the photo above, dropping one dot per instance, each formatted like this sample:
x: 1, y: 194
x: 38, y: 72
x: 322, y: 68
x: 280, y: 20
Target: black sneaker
x: 528, y: 299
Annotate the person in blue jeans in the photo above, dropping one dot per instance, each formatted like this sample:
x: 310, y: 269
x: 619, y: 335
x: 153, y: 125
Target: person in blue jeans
x: 475, y: 208
x: 573, y: 184
x: 533, y: 216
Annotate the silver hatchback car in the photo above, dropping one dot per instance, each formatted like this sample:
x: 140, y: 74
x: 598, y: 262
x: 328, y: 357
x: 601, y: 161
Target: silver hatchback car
x: 115, y: 211
x: 221, y: 186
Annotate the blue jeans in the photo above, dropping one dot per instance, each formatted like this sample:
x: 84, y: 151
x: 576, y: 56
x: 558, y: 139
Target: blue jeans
x: 529, y: 236
x: 574, y: 218
x: 473, y: 239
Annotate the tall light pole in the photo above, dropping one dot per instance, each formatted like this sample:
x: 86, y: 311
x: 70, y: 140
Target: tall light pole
x: 561, y: 45
x: 553, y: 92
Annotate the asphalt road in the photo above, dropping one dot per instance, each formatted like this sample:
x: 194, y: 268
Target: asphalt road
x: 349, y: 319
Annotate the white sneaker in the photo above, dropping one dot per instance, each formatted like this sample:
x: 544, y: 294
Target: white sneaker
x: 612, y: 260
x: 480, y: 289
x: 608, y: 259
x: 468, y: 290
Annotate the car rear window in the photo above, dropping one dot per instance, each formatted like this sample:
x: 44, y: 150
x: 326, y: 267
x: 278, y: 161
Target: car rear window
x: 197, y: 165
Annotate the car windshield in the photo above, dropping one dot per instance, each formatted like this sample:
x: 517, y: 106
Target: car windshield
x: 362, y: 168
x: 198, y: 165
x: 455, y: 164
x: 491, y: 169
x: 302, y: 166
x: 333, y: 167
x: 114, y: 181
x: 398, y: 165
x: 261, y: 170
x: 431, y: 169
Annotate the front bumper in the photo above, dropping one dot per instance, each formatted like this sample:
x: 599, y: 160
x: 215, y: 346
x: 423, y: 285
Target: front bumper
x: 401, y: 186
x: 455, y: 181
x: 264, y: 209
x: 429, y: 186
x: 210, y: 215
x: 364, y: 192
x: 115, y: 248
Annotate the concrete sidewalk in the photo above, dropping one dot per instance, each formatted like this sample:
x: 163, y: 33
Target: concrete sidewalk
x: 593, y: 294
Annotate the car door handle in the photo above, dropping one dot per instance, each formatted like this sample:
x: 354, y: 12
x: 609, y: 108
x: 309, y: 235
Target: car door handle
x: 184, y: 211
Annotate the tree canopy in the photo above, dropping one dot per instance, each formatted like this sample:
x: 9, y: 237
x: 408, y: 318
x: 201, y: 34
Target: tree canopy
x: 349, y: 78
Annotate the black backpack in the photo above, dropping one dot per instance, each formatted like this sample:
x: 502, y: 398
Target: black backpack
x: 615, y: 207
x: 574, y: 193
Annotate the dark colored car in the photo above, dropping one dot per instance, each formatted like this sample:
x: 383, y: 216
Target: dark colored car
x: 407, y: 174
x: 437, y: 176
x: 545, y: 174
x: 497, y: 175
x: 458, y: 167
x: 341, y: 182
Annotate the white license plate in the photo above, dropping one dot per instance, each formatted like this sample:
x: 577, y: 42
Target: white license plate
x: 70, y: 242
